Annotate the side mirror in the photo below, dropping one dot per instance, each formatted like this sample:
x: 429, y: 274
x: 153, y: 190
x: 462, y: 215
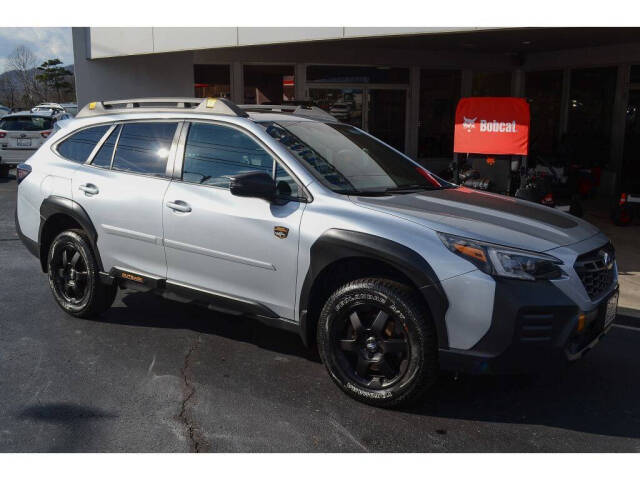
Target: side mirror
x: 253, y: 184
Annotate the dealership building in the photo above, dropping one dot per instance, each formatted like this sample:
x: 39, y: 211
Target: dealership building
x: 400, y: 84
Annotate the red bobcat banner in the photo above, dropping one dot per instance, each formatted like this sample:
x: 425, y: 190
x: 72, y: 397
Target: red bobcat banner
x: 492, y: 125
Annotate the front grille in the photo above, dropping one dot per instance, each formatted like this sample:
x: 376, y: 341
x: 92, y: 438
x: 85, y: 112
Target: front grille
x: 596, y: 271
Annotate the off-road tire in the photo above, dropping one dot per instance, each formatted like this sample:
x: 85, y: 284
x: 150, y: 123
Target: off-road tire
x: 410, y: 317
x: 96, y: 297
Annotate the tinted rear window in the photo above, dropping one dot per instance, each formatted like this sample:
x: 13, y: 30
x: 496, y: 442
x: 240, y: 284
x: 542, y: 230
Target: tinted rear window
x: 78, y: 146
x: 144, y: 147
x: 26, y: 124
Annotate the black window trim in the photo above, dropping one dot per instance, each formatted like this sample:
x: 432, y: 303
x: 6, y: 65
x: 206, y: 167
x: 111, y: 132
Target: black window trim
x: 182, y: 143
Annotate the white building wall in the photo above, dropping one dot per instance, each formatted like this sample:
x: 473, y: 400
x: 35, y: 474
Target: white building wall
x: 107, y: 42
x: 160, y: 75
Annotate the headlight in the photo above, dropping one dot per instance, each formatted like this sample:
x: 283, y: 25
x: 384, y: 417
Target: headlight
x: 504, y: 261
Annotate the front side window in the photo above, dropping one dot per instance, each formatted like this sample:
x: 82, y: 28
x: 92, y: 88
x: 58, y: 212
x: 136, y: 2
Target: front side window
x: 144, y: 147
x: 79, y: 146
x: 349, y: 161
x: 213, y: 153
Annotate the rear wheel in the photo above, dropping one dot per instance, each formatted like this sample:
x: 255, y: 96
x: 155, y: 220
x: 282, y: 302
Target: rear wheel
x: 4, y: 171
x: 378, y: 342
x: 74, y: 276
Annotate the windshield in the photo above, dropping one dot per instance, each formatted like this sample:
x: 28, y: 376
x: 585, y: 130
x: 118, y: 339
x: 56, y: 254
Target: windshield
x: 348, y: 160
x: 26, y: 123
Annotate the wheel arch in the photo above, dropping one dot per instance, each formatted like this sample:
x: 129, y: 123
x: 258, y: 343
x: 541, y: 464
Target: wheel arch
x: 364, y: 254
x: 58, y: 214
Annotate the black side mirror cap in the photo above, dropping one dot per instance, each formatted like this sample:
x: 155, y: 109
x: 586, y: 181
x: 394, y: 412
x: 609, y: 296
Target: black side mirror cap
x: 253, y: 184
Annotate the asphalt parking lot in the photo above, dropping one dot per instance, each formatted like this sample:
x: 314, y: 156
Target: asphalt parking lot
x: 157, y: 376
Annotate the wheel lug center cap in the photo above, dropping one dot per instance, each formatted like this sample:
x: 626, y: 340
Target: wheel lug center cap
x: 371, y: 345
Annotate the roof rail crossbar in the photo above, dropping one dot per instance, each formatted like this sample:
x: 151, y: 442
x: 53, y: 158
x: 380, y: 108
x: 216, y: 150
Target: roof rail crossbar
x: 220, y: 106
x: 299, y: 110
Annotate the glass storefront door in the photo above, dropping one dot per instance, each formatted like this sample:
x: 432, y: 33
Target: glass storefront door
x: 386, y: 115
x: 380, y: 111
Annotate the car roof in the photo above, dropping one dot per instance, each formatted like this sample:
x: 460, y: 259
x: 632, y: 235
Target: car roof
x: 28, y: 113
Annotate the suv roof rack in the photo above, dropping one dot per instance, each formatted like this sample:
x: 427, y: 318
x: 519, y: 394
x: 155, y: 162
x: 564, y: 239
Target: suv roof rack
x: 302, y: 110
x: 220, y: 106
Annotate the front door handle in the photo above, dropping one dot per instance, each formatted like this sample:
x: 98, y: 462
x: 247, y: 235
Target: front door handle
x: 89, y: 189
x: 179, y: 206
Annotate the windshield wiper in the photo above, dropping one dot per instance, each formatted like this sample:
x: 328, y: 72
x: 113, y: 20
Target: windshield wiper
x: 409, y: 188
x: 364, y: 193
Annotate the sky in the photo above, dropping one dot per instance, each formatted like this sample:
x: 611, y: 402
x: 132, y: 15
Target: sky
x: 44, y: 42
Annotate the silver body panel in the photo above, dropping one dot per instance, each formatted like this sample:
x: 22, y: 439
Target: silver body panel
x: 226, y: 244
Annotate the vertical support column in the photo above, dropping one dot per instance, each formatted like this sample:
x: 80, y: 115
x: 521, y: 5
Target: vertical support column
x: 237, y: 83
x: 517, y: 83
x: 413, y: 113
x: 564, y: 104
x: 300, y: 79
x: 618, y: 125
x: 466, y: 82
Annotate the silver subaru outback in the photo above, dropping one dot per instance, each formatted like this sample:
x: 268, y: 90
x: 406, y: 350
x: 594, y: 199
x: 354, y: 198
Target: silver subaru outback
x: 286, y: 215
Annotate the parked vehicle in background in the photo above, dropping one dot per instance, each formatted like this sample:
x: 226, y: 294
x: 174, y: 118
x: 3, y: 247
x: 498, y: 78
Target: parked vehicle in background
x: 287, y: 215
x: 21, y: 134
x: 43, y: 107
x: 70, y: 108
x: 341, y: 110
x: 4, y: 111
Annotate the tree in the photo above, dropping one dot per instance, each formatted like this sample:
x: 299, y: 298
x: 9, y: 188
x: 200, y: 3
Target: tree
x: 8, y: 91
x: 23, y: 61
x: 53, y: 76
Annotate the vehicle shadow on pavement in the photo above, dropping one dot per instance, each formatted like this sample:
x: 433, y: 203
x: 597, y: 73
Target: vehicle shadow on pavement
x: 598, y: 395
x: 77, y: 424
x: 152, y: 311
x: 577, y: 397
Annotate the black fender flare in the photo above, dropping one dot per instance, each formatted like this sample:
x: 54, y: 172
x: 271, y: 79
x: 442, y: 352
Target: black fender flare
x: 336, y: 244
x: 55, y: 204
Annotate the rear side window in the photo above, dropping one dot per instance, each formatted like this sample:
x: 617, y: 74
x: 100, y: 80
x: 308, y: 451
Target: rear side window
x: 103, y: 157
x: 144, y: 148
x: 78, y: 146
x: 213, y: 153
x: 26, y: 124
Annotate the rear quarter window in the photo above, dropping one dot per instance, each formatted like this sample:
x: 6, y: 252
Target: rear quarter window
x: 78, y: 146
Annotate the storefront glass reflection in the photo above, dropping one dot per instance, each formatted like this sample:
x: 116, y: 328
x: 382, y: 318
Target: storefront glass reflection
x: 343, y: 103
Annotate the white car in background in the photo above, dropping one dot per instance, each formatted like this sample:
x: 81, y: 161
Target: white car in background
x: 70, y: 108
x: 21, y: 134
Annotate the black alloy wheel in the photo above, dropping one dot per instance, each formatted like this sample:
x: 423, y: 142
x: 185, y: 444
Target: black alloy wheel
x: 378, y: 342
x: 74, y: 276
x: 70, y: 273
x: 371, y: 346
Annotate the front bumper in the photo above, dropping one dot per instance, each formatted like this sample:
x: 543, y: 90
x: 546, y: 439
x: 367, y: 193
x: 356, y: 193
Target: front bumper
x: 534, y: 326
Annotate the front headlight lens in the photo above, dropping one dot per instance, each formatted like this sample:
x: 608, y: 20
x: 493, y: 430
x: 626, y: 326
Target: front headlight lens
x: 504, y: 261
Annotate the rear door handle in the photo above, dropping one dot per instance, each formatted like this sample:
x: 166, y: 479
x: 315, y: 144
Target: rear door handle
x: 89, y: 189
x: 179, y: 206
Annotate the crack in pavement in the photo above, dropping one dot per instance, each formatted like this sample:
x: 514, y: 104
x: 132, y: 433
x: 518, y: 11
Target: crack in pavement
x: 185, y: 416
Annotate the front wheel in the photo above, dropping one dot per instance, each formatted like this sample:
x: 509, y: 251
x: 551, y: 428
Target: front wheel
x: 378, y: 342
x: 74, y: 276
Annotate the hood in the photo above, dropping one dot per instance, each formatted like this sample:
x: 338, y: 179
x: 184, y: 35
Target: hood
x: 485, y: 216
